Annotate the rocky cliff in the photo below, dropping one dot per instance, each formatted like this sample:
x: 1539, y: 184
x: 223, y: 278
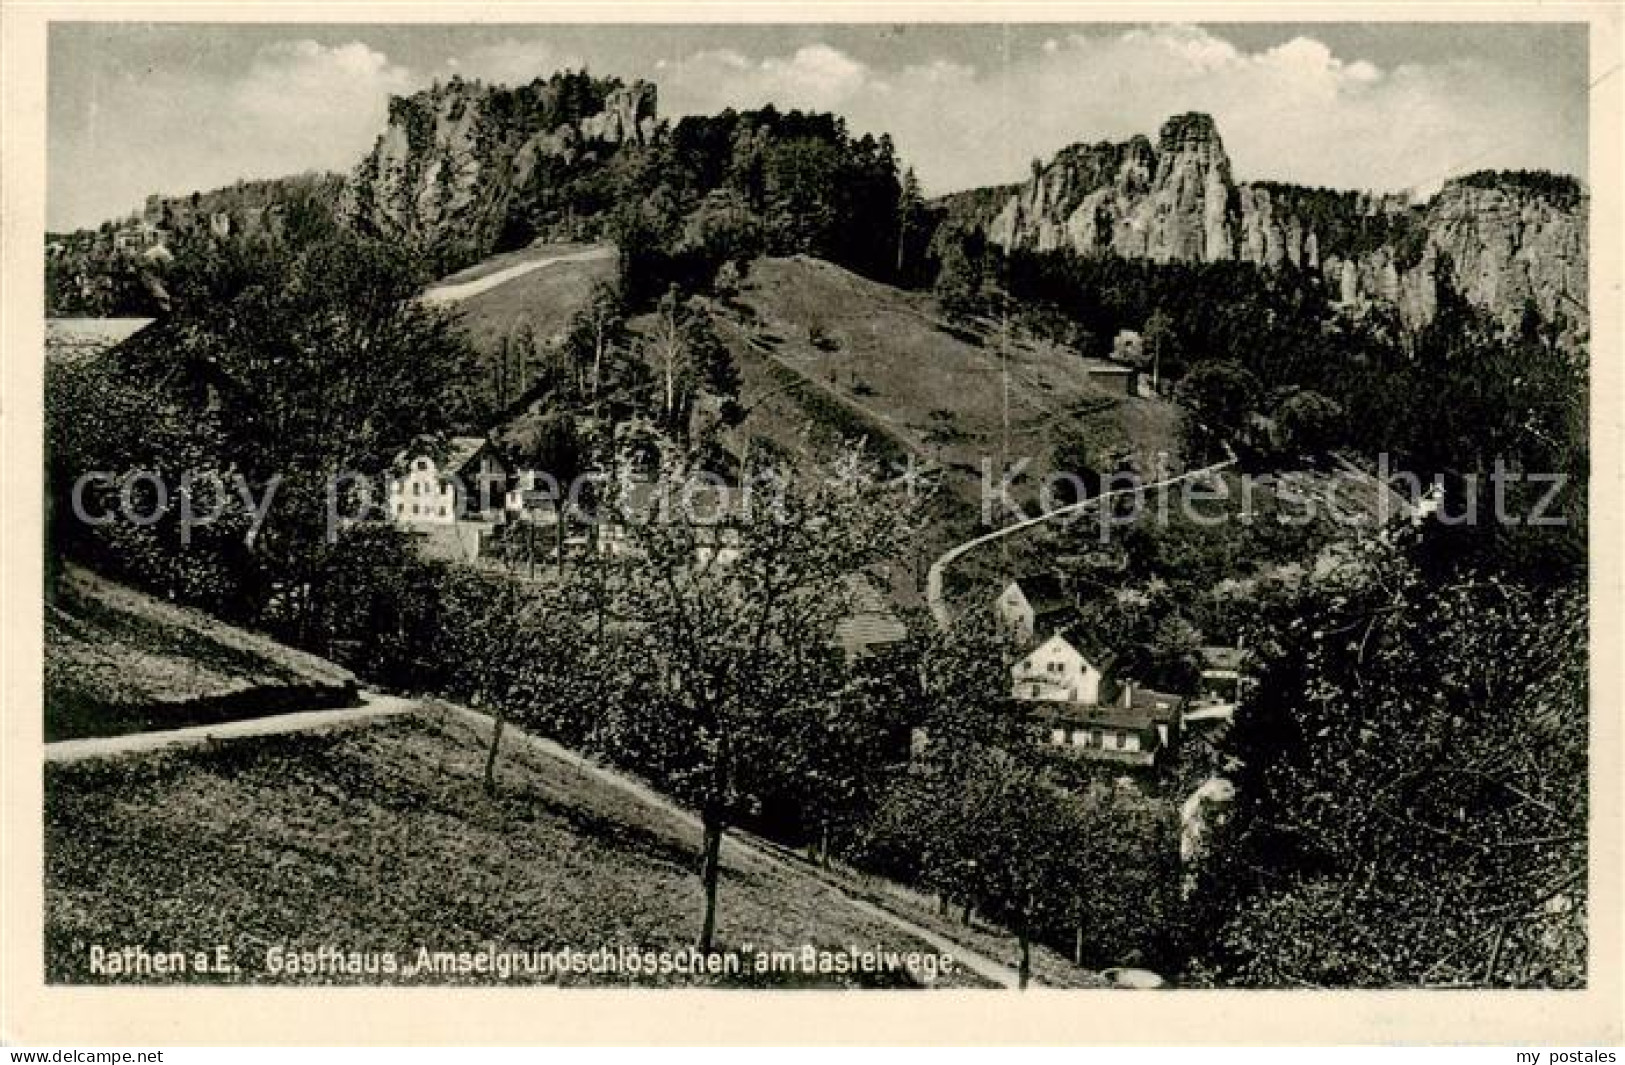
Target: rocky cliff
x: 1502, y: 239
x: 269, y: 207
x: 463, y: 167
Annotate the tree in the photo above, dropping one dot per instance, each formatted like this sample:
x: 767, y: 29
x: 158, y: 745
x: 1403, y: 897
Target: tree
x: 642, y: 231
x: 595, y: 331
x: 1016, y: 834
x: 689, y: 359
x: 145, y: 455
x: 841, y: 759
x: 961, y: 273
x: 737, y: 646
x: 957, y: 682
x: 1218, y: 398
x: 913, y: 229
x: 318, y: 367
x: 513, y: 365
x: 1160, y: 348
x: 1308, y: 422
x: 1412, y: 791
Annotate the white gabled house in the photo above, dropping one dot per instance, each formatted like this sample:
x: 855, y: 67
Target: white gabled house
x: 468, y: 481
x: 1061, y: 689
x: 1056, y: 671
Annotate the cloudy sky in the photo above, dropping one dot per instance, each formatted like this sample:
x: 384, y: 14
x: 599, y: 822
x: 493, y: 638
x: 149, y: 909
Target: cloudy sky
x: 139, y: 108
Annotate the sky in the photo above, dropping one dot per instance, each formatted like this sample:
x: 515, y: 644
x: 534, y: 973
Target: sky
x: 136, y: 108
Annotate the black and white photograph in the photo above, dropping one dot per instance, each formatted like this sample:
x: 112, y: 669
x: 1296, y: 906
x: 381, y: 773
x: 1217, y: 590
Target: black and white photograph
x: 989, y: 506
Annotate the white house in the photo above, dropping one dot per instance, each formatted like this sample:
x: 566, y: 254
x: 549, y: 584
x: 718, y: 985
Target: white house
x: 1056, y: 671
x: 470, y: 482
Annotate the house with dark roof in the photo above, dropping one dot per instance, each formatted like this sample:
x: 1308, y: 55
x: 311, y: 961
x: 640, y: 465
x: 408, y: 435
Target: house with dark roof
x: 1036, y: 606
x: 1115, y: 377
x: 1138, y: 728
x: 1063, y: 689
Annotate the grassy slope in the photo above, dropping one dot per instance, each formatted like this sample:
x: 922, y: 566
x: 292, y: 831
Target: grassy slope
x: 886, y: 368
x: 886, y: 356
x: 381, y: 838
x: 889, y: 362
x: 117, y: 661
x: 544, y: 298
x: 70, y: 339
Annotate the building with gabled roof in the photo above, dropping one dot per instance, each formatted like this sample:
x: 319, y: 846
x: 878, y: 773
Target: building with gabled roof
x: 1056, y: 671
x: 441, y: 483
x: 1035, y: 606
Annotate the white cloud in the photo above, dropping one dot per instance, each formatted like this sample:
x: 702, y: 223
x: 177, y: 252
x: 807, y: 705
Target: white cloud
x: 815, y: 76
x: 1292, y: 112
x: 1295, y: 111
x: 297, y: 105
x: 301, y: 94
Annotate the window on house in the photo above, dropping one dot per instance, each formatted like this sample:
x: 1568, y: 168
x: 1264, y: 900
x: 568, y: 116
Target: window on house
x: 1080, y: 738
x: 1058, y: 737
x: 1131, y: 742
x: 417, y: 488
x: 1108, y: 740
x: 1056, y: 667
x: 414, y: 508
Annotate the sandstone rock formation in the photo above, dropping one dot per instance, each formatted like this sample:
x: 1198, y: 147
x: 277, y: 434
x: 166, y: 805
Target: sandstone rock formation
x: 456, y: 161
x: 628, y: 116
x: 1501, y: 240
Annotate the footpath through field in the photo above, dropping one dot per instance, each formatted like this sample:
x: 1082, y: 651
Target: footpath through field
x: 454, y: 293
x: 374, y: 706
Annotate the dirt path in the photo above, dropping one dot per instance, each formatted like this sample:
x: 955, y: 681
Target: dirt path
x: 374, y: 707
x: 458, y: 292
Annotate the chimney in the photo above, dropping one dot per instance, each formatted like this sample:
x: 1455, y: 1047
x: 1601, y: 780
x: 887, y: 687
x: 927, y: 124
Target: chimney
x: 1128, y: 694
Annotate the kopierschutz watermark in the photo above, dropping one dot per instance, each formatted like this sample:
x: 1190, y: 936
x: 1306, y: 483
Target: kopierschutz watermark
x: 1008, y: 493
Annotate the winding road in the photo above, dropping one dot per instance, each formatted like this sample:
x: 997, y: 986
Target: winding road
x: 934, y: 577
